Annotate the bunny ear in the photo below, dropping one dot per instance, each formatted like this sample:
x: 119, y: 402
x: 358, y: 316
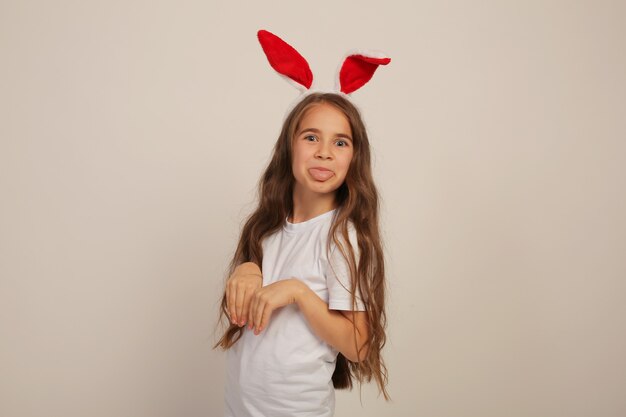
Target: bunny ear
x: 358, y: 68
x: 286, y: 60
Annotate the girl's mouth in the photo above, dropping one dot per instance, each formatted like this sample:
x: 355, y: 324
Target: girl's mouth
x: 320, y: 174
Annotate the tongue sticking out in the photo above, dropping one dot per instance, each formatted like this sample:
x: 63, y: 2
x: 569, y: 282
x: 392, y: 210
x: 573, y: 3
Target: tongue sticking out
x: 321, y: 175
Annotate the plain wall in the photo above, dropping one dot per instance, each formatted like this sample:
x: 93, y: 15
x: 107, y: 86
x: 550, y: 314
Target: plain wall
x: 132, y: 136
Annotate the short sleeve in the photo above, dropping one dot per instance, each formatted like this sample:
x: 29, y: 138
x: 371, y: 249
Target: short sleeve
x: 338, y: 276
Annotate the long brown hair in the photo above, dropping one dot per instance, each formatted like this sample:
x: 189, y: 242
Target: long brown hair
x: 357, y: 203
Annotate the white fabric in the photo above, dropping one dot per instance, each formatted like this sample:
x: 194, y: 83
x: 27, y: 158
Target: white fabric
x: 286, y: 370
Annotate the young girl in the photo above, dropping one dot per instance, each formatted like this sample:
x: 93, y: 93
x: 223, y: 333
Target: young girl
x: 305, y: 292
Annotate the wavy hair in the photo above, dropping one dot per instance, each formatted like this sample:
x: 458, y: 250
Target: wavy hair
x: 358, y: 203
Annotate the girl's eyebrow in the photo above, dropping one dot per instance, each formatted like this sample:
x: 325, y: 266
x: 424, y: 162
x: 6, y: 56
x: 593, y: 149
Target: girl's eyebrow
x: 312, y: 129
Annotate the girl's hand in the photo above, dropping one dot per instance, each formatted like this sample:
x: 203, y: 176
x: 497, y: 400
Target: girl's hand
x: 272, y: 296
x: 240, y: 287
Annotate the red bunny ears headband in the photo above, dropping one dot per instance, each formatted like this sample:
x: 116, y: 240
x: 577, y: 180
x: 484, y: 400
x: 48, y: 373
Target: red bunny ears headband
x: 355, y: 70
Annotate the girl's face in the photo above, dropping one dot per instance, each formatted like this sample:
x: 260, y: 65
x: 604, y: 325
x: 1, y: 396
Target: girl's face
x: 322, y: 150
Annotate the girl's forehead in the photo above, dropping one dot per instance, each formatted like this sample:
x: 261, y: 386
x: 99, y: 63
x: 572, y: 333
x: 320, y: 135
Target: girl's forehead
x: 324, y: 117
x: 322, y: 109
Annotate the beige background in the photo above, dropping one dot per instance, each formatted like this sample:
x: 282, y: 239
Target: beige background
x: 132, y: 136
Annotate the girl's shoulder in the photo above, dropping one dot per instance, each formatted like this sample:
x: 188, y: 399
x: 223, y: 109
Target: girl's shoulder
x: 352, y: 236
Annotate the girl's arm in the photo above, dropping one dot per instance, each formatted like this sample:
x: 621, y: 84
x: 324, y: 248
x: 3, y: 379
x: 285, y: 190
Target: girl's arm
x: 333, y: 326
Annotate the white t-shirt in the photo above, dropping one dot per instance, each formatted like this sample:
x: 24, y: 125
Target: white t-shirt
x: 287, y: 369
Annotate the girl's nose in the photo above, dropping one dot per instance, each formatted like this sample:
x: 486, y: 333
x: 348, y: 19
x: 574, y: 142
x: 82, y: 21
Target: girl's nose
x: 322, y: 155
x: 323, y: 151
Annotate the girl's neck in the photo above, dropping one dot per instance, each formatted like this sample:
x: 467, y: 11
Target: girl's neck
x: 304, y: 212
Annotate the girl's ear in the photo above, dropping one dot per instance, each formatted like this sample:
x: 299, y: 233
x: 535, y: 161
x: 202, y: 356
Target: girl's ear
x: 358, y: 68
x: 286, y: 60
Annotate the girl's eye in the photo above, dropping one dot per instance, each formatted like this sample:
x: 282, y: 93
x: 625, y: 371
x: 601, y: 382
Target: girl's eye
x: 343, y: 142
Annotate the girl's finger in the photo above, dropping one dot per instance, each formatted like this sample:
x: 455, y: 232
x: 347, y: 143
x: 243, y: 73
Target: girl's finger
x: 227, y: 303
x: 232, y: 297
x: 252, y: 309
x: 258, y: 315
x: 267, y: 312
x: 241, y: 292
x: 246, y: 306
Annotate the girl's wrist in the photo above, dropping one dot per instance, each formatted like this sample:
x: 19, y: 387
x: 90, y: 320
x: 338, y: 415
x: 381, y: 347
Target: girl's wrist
x: 300, y: 290
x: 249, y: 267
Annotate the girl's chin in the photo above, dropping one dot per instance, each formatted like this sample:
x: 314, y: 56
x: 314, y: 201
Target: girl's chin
x: 325, y: 186
x: 320, y: 187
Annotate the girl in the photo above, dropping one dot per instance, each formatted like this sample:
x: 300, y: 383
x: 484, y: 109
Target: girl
x: 305, y: 292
